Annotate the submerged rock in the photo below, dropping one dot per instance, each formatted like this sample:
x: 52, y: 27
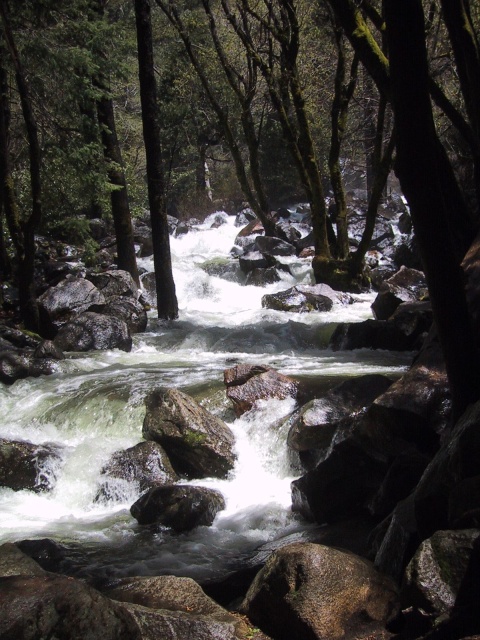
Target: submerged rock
x: 180, y: 507
x: 24, y: 465
x: 146, y: 463
x: 247, y: 384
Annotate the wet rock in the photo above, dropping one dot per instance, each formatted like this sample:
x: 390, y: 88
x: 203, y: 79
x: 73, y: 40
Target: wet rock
x: 262, y: 277
x: 130, y: 310
x: 391, y: 335
x: 344, y: 481
x: 19, y: 339
x: 180, y: 507
x: 24, y: 465
x: 66, y: 300
x: 172, y: 593
x: 311, y: 591
x: 316, y: 422
x: 47, y: 553
x: 198, y: 444
x: 223, y: 268
x: 396, y: 539
x: 270, y: 246
x: 297, y: 299
x: 247, y: 384
x: 416, y: 408
x: 400, y: 480
x: 48, y: 349
x: 435, y: 573
x: 142, y: 235
x: 407, y: 285
x: 253, y: 260
x: 455, y: 462
x: 13, y: 562
x: 113, y: 284
x: 254, y: 227
x: 149, y: 291
x: 52, y: 606
x: 91, y: 331
x: 14, y: 365
x: 146, y: 463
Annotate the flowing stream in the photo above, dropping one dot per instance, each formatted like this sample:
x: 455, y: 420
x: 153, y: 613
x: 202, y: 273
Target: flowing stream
x: 95, y: 406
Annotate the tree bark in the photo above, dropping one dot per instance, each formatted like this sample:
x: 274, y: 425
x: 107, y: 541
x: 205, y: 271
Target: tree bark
x: 167, y: 305
x: 466, y: 49
x: 339, y: 113
x: 419, y: 167
x: 26, y: 258
x: 119, y: 195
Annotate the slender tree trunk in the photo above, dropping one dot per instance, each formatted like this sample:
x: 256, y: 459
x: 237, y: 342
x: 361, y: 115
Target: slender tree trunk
x: 339, y: 113
x: 119, y: 195
x: 113, y: 155
x: 89, y: 126
x: 466, y: 49
x: 5, y: 267
x: 417, y: 166
x: 26, y: 262
x: 167, y: 304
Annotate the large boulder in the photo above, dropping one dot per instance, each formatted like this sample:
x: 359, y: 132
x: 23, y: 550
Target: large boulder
x: 24, y: 465
x: 309, y: 591
x: 247, y: 384
x: 180, y: 507
x: 395, y: 334
x: 407, y: 285
x: 130, y: 310
x: 114, y: 284
x: 270, y: 246
x: 297, y: 299
x: 416, y: 408
x: 197, y: 443
x: 344, y: 481
x: 315, y: 423
x: 172, y: 593
x: 146, y: 464
x: 65, y: 301
x: 13, y: 562
x: 16, y: 363
x: 51, y: 606
x: 435, y: 573
x: 92, y: 331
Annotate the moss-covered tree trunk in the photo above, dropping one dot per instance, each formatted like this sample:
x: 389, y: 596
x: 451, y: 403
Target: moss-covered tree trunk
x: 167, y: 305
x: 419, y: 169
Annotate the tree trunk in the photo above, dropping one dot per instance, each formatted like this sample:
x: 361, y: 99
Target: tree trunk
x: 339, y: 114
x: 26, y: 259
x: 417, y: 167
x: 167, y: 305
x: 466, y: 49
x: 119, y: 194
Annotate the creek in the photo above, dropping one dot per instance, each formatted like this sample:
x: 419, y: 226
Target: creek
x: 94, y: 406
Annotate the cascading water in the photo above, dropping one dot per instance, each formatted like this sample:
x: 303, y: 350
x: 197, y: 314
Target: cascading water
x: 95, y: 406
